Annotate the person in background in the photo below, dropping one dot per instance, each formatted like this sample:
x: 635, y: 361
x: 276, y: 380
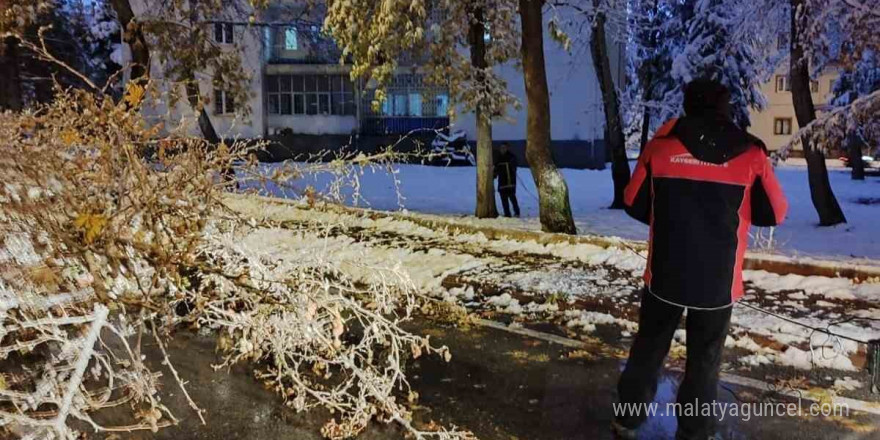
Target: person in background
x: 505, y: 172
x: 699, y: 185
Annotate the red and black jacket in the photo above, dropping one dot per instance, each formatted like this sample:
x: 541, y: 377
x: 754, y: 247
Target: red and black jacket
x: 700, y: 184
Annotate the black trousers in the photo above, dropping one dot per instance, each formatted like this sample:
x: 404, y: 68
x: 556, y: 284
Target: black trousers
x: 706, y: 333
x: 508, y: 197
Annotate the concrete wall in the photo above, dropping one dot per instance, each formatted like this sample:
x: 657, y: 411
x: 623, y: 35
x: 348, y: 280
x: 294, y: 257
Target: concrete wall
x: 313, y: 124
x: 779, y: 105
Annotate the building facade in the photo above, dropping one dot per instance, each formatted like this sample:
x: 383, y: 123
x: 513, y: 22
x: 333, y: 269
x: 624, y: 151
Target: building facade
x: 777, y: 122
x: 298, y: 87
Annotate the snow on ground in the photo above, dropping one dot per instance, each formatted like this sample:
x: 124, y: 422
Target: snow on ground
x: 450, y: 191
x: 839, y: 288
x: 576, y: 271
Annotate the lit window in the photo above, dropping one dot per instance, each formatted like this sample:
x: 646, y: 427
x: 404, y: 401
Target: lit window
x: 290, y: 39
x: 442, y: 105
x: 415, y: 104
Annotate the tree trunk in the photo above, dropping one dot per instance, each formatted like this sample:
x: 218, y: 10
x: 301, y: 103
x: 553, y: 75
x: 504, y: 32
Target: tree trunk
x: 10, y: 87
x: 553, y: 203
x: 648, y: 79
x: 820, y: 186
x: 854, y: 147
x: 133, y: 35
x: 614, y: 137
x: 485, y: 170
x: 646, y: 127
x: 194, y: 96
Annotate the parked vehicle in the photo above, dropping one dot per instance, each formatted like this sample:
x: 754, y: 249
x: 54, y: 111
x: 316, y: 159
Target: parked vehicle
x: 452, y: 150
x: 871, y: 162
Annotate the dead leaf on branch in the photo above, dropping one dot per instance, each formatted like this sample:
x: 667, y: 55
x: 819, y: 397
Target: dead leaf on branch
x: 90, y: 225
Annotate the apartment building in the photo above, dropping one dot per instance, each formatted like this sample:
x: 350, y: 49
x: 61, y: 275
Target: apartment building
x: 777, y: 122
x: 298, y: 88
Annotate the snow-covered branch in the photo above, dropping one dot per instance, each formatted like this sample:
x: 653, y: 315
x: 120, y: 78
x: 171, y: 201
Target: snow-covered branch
x: 831, y: 129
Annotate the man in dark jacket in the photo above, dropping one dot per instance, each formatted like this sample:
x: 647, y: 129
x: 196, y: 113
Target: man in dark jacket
x: 505, y: 172
x: 699, y: 184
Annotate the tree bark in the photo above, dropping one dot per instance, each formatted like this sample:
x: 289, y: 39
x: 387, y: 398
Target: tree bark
x: 614, y: 137
x: 553, y: 202
x: 10, y: 87
x: 194, y: 96
x: 647, y: 80
x: 485, y: 171
x: 646, y: 127
x: 820, y: 186
x: 133, y: 35
x: 854, y: 147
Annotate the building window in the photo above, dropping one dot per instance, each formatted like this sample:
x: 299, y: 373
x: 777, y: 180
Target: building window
x: 441, y: 107
x: 223, y: 33
x: 415, y: 104
x: 311, y: 95
x: 783, y: 83
x: 290, y: 39
x: 814, y: 86
x: 782, y: 126
x: 224, y: 103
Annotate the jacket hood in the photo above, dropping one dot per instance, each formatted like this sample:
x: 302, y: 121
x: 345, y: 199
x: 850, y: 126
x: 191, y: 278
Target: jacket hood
x: 714, y: 140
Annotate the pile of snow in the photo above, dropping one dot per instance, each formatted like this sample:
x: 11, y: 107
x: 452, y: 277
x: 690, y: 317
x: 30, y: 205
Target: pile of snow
x: 837, y: 288
x: 805, y: 360
x: 570, y: 283
x: 425, y: 269
x: 587, y: 320
x: 505, y: 303
x: 847, y: 384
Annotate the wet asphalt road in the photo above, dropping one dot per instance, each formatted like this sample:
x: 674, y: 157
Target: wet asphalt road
x: 499, y: 385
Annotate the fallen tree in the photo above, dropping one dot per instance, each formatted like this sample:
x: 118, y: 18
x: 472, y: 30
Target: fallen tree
x: 111, y: 234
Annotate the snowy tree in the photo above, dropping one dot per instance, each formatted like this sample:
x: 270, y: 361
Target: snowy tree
x: 175, y: 33
x: 75, y: 33
x: 859, y: 79
x: 595, y: 24
x: 840, y: 37
x: 555, y: 208
x: 816, y: 30
x: 614, y: 137
x: 654, y: 35
x: 97, y: 33
x: 821, y: 193
x: 711, y: 52
x: 376, y: 36
x: 675, y: 41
